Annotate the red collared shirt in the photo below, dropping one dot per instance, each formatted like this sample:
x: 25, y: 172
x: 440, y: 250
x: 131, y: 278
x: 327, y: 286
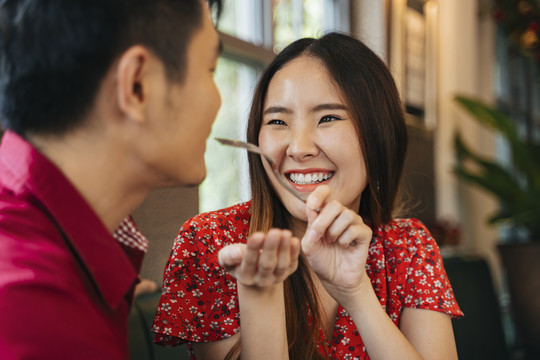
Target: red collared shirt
x: 66, y: 283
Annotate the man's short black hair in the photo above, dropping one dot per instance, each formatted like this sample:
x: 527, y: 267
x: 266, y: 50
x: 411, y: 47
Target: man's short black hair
x: 55, y: 53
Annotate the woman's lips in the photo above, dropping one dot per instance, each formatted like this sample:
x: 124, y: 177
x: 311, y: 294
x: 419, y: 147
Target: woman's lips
x: 307, y: 181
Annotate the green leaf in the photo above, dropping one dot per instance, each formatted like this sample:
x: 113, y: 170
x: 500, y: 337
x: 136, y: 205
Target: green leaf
x: 488, y: 175
x: 517, y: 189
x: 522, y: 155
x: 489, y: 116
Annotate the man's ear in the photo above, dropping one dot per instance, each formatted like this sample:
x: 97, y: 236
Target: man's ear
x: 132, y: 82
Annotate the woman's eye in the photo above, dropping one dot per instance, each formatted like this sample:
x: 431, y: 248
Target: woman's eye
x: 276, y: 122
x: 329, y: 118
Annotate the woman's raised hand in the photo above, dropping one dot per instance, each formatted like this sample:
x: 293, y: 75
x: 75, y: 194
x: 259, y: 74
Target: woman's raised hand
x: 265, y: 260
x: 336, y: 243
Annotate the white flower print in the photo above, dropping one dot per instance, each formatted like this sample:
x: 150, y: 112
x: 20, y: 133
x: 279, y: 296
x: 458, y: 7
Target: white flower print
x: 403, y: 264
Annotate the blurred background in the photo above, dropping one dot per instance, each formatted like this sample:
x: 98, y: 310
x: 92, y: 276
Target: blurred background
x: 459, y: 171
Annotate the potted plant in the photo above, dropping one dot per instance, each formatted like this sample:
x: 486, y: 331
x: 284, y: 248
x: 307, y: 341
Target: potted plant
x: 517, y: 189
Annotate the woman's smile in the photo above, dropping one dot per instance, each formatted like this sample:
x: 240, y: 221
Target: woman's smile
x: 307, y: 179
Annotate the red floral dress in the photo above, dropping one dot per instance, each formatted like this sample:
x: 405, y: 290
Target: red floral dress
x: 199, y: 301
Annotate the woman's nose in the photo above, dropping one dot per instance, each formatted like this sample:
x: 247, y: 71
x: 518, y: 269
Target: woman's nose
x: 302, y: 145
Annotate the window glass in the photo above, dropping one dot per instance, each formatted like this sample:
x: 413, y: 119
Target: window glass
x: 294, y: 19
x: 243, y: 19
x: 226, y: 181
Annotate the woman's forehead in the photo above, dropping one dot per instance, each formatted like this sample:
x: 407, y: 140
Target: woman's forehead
x: 303, y: 80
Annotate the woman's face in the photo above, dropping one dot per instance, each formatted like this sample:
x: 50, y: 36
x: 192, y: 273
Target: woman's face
x: 309, y: 132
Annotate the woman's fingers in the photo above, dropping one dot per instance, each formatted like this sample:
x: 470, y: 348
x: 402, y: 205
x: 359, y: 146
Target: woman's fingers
x: 251, y: 256
x: 335, y: 224
x: 316, y: 200
x: 265, y: 260
x: 328, y: 215
x: 352, y: 235
x: 269, y: 254
x: 287, y: 257
x: 345, y: 228
x: 231, y: 256
x: 310, y: 242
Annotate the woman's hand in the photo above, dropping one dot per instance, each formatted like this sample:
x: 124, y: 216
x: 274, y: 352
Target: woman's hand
x: 336, y: 244
x: 266, y: 259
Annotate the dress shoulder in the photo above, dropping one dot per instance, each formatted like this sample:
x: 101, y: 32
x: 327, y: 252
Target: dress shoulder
x: 414, y: 265
x: 405, y: 233
x: 199, y: 300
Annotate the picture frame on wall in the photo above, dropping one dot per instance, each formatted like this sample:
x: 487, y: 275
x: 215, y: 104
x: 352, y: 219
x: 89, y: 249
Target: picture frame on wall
x: 412, y: 57
x: 415, y: 61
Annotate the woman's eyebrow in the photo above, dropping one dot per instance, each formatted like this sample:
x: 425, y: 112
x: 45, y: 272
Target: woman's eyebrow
x: 330, y: 106
x: 277, y: 110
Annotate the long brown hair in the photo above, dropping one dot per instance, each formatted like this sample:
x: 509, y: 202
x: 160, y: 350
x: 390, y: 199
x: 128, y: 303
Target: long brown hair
x: 373, y: 99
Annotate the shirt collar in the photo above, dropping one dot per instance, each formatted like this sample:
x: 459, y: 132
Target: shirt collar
x: 107, y: 264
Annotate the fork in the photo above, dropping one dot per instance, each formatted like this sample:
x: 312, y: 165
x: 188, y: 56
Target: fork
x: 255, y: 149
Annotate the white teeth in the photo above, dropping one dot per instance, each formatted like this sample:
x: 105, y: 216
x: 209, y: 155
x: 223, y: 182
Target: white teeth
x: 306, y: 179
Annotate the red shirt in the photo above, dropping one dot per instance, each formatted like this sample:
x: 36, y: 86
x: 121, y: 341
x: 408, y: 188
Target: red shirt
x: 65, y: 283
x: 199, y: 301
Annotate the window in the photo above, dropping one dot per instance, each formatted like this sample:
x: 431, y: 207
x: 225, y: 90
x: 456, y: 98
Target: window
x: 252, y: 31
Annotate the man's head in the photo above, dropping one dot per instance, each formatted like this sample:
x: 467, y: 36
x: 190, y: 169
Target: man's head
x: 54, y: 54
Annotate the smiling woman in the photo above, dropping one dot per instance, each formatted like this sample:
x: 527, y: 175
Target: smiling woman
x: 359, y: 283
x: 309, y: 131
x: 253, y: 30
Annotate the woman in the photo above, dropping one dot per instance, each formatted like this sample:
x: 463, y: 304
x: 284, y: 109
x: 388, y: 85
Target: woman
x: 358, y: 284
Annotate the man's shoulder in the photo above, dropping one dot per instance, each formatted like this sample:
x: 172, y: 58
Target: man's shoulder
x: 31, y: 247
x: 43, y: 290
x: 22, y: 217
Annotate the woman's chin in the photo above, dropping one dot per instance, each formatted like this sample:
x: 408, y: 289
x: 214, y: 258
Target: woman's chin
x: 297, y: 209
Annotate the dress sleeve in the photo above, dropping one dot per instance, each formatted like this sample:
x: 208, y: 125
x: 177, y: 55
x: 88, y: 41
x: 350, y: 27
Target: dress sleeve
x: 199, y: 300
x: 427, y: 285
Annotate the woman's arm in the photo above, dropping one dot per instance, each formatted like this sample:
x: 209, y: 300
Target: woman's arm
x: 423, y: 334
x: 216, y: 349
x: 336, y: 245
x: 430, y: 332
x: 260, y: 267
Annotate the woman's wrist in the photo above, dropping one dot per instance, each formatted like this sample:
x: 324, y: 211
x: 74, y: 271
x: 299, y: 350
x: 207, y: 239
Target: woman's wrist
x: 356, y: 297
x: 263, y: 330
x: 260, y: 291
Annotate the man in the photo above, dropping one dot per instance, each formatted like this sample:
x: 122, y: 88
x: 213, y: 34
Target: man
x: 102, y: 101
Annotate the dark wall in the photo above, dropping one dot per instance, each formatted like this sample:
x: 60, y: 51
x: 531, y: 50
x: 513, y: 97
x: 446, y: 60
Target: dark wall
x: 418, y: 182
x: 159, y: 218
